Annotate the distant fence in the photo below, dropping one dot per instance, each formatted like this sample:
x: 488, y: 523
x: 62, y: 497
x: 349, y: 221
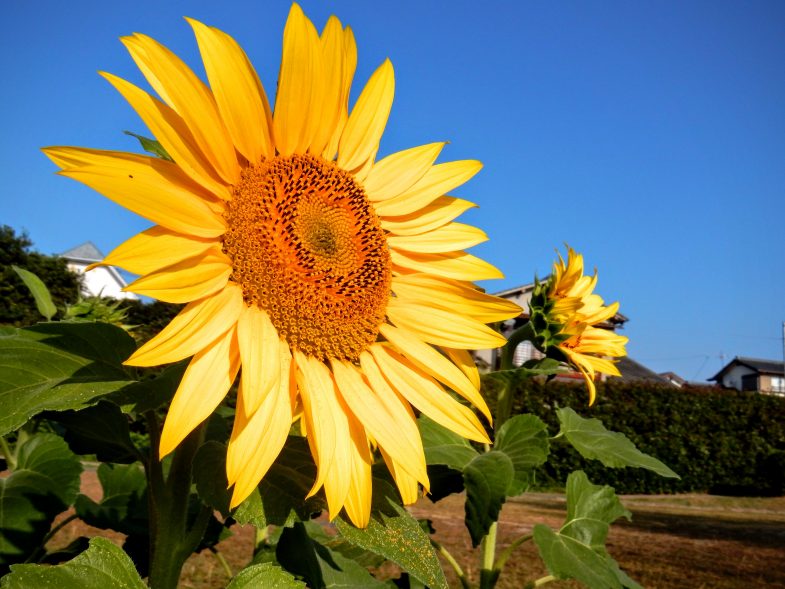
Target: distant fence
x: 718, y: 441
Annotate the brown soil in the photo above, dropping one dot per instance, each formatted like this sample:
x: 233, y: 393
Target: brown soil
x: 673, y: 542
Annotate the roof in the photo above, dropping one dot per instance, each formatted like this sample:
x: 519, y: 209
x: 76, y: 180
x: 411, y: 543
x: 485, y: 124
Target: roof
x: 632, y: 370
x: 87, y: 252
x: 757, y: 364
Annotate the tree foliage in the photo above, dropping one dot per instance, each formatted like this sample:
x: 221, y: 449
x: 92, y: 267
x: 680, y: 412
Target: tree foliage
x: 17, y: 305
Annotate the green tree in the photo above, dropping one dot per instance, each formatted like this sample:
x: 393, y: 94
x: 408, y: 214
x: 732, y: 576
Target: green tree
x: 17, y: 306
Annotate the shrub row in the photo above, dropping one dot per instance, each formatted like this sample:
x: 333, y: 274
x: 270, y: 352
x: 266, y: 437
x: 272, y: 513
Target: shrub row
x: 718, y: 441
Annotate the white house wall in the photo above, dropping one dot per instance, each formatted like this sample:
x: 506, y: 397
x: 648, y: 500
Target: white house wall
x: 732, y: 379
x: 100, y: 281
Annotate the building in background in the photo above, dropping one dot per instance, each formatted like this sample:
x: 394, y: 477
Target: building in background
x: 752, y: 374
x: 104, y: 281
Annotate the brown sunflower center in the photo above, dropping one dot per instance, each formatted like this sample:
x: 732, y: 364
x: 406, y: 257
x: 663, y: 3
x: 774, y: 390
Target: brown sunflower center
x: 307, y: 247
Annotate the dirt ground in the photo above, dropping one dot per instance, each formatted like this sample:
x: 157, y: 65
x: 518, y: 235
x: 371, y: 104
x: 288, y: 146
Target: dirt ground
x: 673, y: 542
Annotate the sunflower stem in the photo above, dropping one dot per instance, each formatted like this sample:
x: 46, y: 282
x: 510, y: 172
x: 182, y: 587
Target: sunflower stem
x: 172, y: 539
x: 10, y: 460
x: 504, y: 406
x: 488, y: 573
x: 507, y: 552
x: 453, y: 563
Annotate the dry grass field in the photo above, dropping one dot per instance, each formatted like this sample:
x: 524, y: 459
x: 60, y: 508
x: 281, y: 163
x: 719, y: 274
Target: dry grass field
x: 673, y: 541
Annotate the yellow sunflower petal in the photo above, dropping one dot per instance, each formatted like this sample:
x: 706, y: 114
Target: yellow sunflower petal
x: 456, y: 265
x: 175, y: 137
x: 383, y: 426
x: 349, y: 64
x: 432, y: 362
x: 328, y: 429
x: 150, y: 187
x: 425, y: 393
x: 188, y: 280
x: 296, y: 79
x: 181, y: 89
x: 365, y: 126
x: 442, y: 327
x: 198, y: 325
x: 407, y: 484
x: 440, y: 212
x: 238, y: 92
x: 437, y: 181
x: 254, y: 448
x: 448, y: 238
x: 329, y: 107
x: 205, y: 383
x: 398, y: 172
x: 455, y: 296
x: 153, y: 249
x: 463, y: 360
x: 358, y: 499
x: 260, y: 353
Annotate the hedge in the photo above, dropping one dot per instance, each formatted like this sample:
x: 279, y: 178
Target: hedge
x: 718, y: 441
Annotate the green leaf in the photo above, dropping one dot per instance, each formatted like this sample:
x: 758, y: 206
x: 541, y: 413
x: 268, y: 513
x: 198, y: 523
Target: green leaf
x: 102, y: 565
x: 101, y: 430
x: 265, y: 575
x: 320, y: 567
x: 151, y: 393
x: 577, y: 550
x: 397, y: 536
x: 123, y: 506
x: 43, y: 299
x: 151, y: 146
x: 443, y: 446
x: 59, y: 366
x: 541, y: 367
x: 285, y: 486
x: 209, y: 475
x: 280, y: 499
x: 524, y: 439
x: 613, y: 449
x: 45, y: 483
x: 487, y: 479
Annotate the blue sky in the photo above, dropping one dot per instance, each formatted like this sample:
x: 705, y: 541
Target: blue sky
x: 648, y: 135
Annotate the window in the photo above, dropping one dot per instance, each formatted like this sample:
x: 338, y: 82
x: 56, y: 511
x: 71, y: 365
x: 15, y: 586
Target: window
x: 778, y: 385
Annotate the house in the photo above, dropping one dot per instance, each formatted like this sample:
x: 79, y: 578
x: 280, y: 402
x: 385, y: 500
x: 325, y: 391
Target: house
x: 753, y: 374
x: 103, y: 281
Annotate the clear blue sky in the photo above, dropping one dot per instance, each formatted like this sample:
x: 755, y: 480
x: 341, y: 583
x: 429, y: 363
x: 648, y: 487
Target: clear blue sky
x: 648, y: 135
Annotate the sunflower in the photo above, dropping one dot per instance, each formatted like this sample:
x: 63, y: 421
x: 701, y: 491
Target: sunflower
x: 565, y: 311
x: 336, y: 282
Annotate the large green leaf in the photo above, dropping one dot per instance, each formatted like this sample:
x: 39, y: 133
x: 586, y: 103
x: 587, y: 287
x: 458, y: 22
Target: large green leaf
x: 101, y: 566
x: 265, y: 575
x: 613, y: 449
x: 443, y: 446
x: 209, y: 475
x: 45, y: 483
x: 577, y: 550
x: 317, y: 565
x: 101, y: 430
x: 281, y: 498
x: 289, y: 480
x: 487, y: 479
x: 123, y: 506
x: 394, y: 534
x: 524, y: 439
x: 151, y: 393
x: 59, y: 366
x: 43, y: 299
